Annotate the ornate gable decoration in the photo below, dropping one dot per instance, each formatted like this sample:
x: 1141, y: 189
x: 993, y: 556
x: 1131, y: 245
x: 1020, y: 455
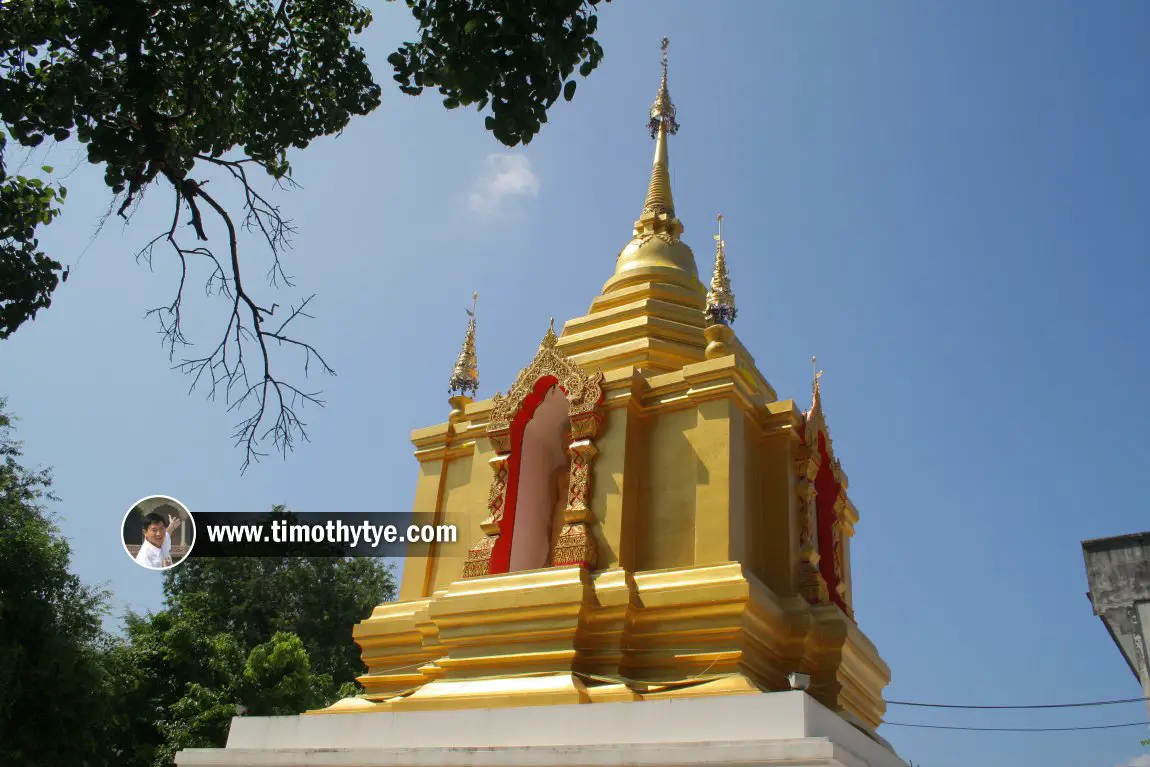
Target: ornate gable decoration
x: 584, y: 393
x: 816, y: 423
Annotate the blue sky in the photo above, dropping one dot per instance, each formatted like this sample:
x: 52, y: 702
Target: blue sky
x: 949, y: 203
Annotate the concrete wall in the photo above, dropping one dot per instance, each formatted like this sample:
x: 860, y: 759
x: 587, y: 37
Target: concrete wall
x: 1118, y: 571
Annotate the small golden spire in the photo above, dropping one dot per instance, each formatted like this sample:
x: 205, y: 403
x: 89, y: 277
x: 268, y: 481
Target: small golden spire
x: 549, y: 338
x: 661, y: 123
x: 465, y: 377
x: 816, y: 390
x: 720, y: 298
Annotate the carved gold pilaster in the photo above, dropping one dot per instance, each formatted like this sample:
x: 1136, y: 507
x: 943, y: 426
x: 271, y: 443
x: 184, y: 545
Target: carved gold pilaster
x: 837, y: 532
x: 841, y: 531
x: 807, y: 470
x: 576, y: 543
x: 837, y: 548
x: 811, y: 583
x: 500, y: 440
x: 497, y: 495
x: 479, y: 556
x: 575, y: 546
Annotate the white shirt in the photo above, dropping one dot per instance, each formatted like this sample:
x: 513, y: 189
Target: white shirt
x: 156, y: 558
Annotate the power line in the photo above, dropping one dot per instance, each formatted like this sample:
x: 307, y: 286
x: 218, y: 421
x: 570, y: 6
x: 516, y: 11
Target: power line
x: 1018, y: 729
x: 1043, y: 705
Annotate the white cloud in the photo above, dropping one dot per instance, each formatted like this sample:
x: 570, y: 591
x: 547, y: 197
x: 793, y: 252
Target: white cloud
x: 506, y: 179
x: 1138, y: 761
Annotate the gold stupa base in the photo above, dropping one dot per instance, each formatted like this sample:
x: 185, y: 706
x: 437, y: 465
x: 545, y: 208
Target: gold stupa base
x: 565, y: 635
x: 541, y: 690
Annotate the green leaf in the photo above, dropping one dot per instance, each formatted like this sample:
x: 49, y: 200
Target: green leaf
x: 569, y: 90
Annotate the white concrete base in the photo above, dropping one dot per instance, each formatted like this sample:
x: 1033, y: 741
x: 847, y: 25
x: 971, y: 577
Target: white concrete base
x: 783, y: 728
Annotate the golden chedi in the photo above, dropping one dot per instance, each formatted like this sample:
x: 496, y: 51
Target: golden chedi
x: 640, y: 517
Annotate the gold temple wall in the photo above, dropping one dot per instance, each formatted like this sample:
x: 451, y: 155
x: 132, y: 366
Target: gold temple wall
x: 779, y: 538
x: 696, y: 509
x: 610, y: 502
x: 707, y: 484
x: 667, y: 507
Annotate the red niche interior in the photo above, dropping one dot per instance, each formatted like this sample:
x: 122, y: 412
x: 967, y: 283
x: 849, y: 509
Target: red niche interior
x: 501, y: 553
x: 827, y: 492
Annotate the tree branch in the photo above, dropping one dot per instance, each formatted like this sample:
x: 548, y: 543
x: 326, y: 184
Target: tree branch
x: 274, y: 402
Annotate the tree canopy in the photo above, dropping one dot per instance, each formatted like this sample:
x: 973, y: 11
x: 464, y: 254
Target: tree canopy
x: 52, y: 679
x: 259, y: 636
x: 174, y: 94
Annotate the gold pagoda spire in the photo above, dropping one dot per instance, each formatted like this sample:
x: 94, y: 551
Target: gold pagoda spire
x: 655, y: 251
x: 465, y: 376
x: 720, y: 298
x: 663, y: 122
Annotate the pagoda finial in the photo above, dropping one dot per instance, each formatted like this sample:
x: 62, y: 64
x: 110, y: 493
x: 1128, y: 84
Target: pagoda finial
x: 720, y: 298
x: 816, y: 390
x: 661, y: 123
x: 663, y: 110
x: 656, y: 251
x: 465, y: 376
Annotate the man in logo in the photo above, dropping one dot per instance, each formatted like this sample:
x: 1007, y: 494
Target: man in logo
x: 156, y: 550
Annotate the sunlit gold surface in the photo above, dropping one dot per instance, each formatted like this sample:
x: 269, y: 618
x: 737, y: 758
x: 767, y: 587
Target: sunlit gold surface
x: 693, y: 486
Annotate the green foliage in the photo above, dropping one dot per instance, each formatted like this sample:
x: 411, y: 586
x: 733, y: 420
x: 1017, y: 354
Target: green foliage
x: 264, y: 637
x: 277, y: 679
x: 174, y: 683
x: 27, y: 275
x: 253, y: 599
x: 516, y: 57
x: 179, y: 685
x: 270, y: 635
x: 174, y: 92
x: 53, y: 686
x: 148, y: 86
x: 151, y: 86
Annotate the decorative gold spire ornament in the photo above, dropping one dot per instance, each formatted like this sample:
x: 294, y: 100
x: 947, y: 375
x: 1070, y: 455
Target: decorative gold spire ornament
x: 720, y: 298
x: 662, y: 123
x: 663, y: 109
x: 816, y: 390
x: 656, y: 250
x: 465, y: 377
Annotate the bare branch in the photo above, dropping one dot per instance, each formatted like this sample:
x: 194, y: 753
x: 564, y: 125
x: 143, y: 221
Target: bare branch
x: 272, y: 404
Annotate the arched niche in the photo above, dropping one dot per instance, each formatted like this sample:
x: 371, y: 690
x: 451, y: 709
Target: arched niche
x: 831, y: 520
x: 547, y: 421
x: 542, y: 452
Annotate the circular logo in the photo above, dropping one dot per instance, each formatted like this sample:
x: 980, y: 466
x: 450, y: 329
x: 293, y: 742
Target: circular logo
x: 158, y: 532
